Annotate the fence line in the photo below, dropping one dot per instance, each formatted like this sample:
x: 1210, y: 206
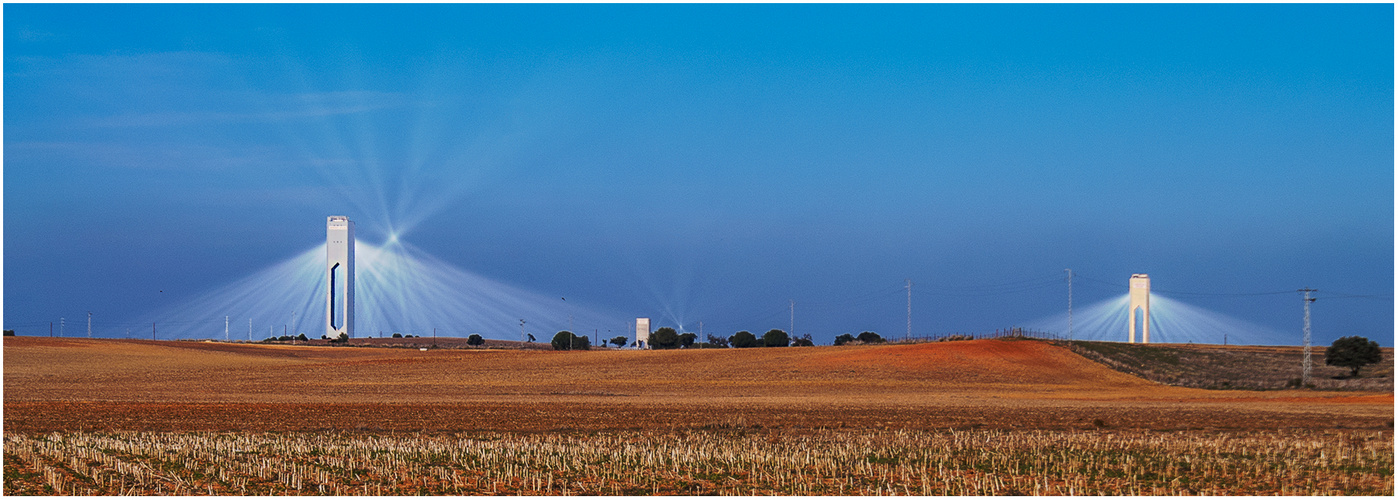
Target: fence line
x: 1014, y: 332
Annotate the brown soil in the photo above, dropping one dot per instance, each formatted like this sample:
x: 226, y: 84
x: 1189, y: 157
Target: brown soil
x: 69, y: 384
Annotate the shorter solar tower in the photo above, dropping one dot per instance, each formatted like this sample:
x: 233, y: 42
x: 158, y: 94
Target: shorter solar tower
x: 339, y: 275
x: 642, y: 333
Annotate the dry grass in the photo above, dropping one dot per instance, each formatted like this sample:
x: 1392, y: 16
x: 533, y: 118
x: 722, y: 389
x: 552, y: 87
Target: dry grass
x: 720, y: 462
x: 1233, y: 367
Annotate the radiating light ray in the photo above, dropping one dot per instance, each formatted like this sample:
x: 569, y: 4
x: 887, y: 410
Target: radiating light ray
x: 1171, y: 321
x: 398, y: 289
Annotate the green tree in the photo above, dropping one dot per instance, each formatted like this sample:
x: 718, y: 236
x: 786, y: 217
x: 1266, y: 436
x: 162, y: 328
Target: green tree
x: 870, y: 338
x: 775, y: 338
x: 743, y: 339
x: 803, y: 341
x: 687, y: 339
x: 397, y: 335
x: 619, y: 341
x: 1353, y: 353
x: 843, y: 339
x: 531, y: 337
x: 665, y: 338
x: 581, y: 343
x: 563, y: 341
x: 475, y: 339
x: 716, y: 341
x: 9, y: 333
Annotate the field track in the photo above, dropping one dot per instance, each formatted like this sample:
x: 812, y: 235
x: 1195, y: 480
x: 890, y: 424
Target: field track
x: 81, y: 384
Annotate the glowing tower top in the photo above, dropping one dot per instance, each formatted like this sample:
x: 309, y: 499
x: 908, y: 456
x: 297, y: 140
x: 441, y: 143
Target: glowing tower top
x: 1140, y: 302
x: 339, y: 275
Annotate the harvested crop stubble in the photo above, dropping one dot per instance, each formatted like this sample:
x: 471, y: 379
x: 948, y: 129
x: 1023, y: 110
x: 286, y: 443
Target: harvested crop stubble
x: 718, y: 462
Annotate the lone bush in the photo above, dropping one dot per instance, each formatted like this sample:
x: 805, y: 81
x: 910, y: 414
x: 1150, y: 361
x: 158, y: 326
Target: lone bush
x: 9, y: 333
x: 1353, y: 353
x: 397, y: 335
x: 743, y: 339
x: 665, y: 338
x: 775, y: 338
x: 475, y: 339
x: 302, y: 337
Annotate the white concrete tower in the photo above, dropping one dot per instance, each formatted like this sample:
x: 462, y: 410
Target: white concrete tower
x: 642, y: 333
x: 339, y: 276
x: 1140, y: 300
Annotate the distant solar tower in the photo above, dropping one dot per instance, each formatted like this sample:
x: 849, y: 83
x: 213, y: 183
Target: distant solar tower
x: 642, y: 332
x: 1140, y: 303
x: 339, y: 275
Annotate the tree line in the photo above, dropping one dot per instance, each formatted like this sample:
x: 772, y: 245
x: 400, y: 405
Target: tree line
x: 669, y: 338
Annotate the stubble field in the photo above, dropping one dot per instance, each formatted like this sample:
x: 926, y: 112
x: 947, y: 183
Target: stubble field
x: 979, y: 417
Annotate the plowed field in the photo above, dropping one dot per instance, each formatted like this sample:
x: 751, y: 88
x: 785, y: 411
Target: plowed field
x: 991, y: 417
x: 81, y: 384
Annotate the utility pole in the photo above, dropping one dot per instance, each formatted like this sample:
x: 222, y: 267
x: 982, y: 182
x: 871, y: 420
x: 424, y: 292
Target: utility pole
x: 793, y: 317
x: 225, y: 328
x: 521, y: 330
x: 249, y: 329
x: 1306, y: 337
x: 909, y: 335
x: 1070, y: 303
x: 152, y: 331
x: 89, y: 324
x: 61, y: 324
x: 50, y: 328
x: 701, y: 335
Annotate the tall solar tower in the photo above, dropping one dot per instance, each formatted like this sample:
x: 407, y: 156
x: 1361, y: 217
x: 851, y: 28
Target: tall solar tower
x: 1140, y: 307
x: 339, y: 275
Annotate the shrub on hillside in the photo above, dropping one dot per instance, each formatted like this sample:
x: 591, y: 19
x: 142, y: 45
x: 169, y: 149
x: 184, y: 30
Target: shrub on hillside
x: 844, y: 338
x: 775, y: 338
x: 562, y: 341
x: 716, y: 341
x: 665, y: 338
x: 397, y: 335
x: 803, y: 341
x: 1353, y: 353
x: 475, y: 339
x: 870, y: 338
x: 743, y: 339
x: 581, y: 343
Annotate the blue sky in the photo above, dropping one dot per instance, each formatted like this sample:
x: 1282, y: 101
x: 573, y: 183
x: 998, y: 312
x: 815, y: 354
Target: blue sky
x: 712, y: 162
